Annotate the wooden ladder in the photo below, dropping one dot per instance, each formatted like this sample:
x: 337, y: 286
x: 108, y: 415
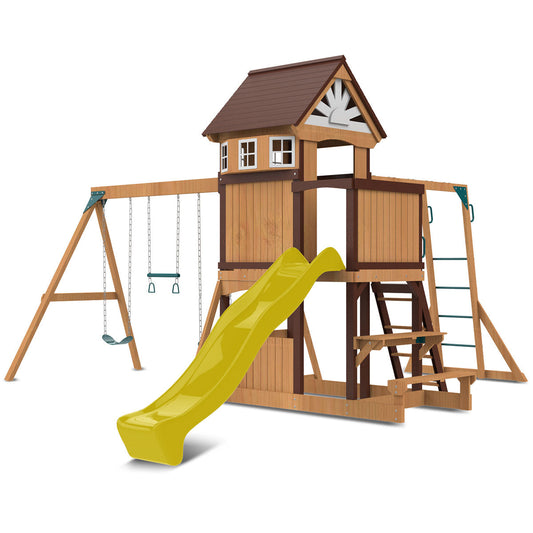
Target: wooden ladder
x: 412, y: 292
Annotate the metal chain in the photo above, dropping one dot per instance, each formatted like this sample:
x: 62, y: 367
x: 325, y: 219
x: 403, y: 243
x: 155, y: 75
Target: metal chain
x: 178, y: 224
x: 149, y: 223
x: 130, y: 246
x: 199, y: 219
x: 104, y: 271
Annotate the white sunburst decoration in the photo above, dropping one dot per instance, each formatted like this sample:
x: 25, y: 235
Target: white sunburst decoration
x: 338, y: 110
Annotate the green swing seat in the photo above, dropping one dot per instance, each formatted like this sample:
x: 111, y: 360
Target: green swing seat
x: 110, y: 340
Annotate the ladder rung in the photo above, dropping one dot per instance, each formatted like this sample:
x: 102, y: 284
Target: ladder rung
x: 398, y: 354
x: 459, y: 345
x: 395, y: 299
x: 450, y: 259
x: 431, y: 383
x: 455, y: 316
x: 409, y: 328
x: 453, y: 288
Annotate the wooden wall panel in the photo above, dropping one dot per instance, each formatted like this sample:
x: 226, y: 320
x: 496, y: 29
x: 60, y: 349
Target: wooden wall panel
x: 388, y: 227
x: 258, y: 221
x: 272, y: 367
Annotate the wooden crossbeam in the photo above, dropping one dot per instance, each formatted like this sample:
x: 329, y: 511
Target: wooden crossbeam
x: 81, y: 296
x: 163, y: 188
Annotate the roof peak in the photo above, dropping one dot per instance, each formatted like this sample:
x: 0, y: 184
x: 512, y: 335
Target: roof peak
x: 300, y: 64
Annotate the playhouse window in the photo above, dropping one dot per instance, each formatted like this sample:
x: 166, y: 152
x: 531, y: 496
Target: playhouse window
x: 281, y: 151
x: 248, y: 153
x: 223, y: 157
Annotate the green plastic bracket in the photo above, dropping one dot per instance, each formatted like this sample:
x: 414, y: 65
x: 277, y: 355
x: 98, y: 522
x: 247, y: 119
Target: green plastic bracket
x: 420, y: 340
x: 95, y: 197
x: 461, y: 191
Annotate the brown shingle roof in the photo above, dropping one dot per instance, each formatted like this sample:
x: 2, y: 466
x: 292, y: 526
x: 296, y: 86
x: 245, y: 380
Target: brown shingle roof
x: 279, y: 96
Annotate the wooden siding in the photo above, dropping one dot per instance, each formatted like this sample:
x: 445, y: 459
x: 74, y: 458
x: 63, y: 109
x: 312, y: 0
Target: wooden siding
x: 272, y: 367
x: 388, y: 227
x: 258, y: 221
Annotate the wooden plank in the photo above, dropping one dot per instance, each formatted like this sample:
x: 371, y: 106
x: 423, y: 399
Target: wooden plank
x: 287, y: 371
x: 393, y: 337
x: 117, y: 284
x: 376, y: 408
x: 81, y: 296
x: 498, y: 341
x: 478, y: 341
x: 256, y: 188
x: 365, y: 276
x: 217, y: 293
x: 429, y: 185
x: 311, y: 350
x: 399, y: 386
x: 162, y: 188
x: 41, y: 310
x: 287, y: 216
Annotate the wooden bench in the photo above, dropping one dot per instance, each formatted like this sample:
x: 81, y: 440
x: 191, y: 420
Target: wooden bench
x: 366, y: 343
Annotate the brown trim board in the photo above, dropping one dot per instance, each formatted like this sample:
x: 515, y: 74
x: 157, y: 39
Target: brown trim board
x: 257, y: 177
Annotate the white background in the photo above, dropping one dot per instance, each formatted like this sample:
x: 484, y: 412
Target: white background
x: 96, y: 93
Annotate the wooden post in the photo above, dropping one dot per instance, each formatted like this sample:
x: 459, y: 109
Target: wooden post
x: 48, y: 294
x: 295, y: 330
x: 473, y: 290
x: 351, y: 332
x: 430, y: 269
x: 308, y: 171
x: 416, y: 361
x: 117, y: 284
x: 364, y: 307
x: 351, y: 293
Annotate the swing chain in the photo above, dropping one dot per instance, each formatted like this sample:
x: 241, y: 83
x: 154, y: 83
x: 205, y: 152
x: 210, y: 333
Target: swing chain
x: 175, y: 287
x: 130, y: 247
x: 104, y: 271
x: 151, y: 286
x: 199, y: 219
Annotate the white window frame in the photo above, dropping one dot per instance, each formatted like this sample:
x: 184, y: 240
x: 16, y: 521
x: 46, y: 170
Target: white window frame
x: 271, y: 154
x: 224, y: 157
x: 247, y: 167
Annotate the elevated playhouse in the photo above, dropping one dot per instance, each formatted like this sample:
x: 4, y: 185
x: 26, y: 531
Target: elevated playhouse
x: 269, y: 133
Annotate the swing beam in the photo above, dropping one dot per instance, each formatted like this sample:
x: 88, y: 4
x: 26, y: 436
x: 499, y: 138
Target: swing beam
x: 162, y: 188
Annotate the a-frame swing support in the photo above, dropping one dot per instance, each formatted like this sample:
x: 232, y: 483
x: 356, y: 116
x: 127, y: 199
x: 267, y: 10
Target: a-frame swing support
x: 479, y: 315
x: 99, y: 194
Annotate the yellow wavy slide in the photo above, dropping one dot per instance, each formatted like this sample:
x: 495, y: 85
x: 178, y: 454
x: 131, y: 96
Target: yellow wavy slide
x: 156, y: 433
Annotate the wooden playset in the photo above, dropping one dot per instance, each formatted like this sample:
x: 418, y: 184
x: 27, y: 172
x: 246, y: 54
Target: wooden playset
x: 269, y: 133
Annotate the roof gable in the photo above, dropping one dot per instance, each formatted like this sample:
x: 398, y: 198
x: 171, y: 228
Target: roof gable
x: 281, y: 96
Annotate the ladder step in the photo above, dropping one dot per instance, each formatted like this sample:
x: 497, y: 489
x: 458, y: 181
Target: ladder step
x: 450, y: 259
x: 398, y: 354
x: 453, y: 288
x: 459, y: 345
x: 432, y: 383
x: 395, y: 299
x: 455, y: 316
x: 409, y: 328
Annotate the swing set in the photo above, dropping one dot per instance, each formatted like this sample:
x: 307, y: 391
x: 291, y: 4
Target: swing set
x: 97, y: 204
